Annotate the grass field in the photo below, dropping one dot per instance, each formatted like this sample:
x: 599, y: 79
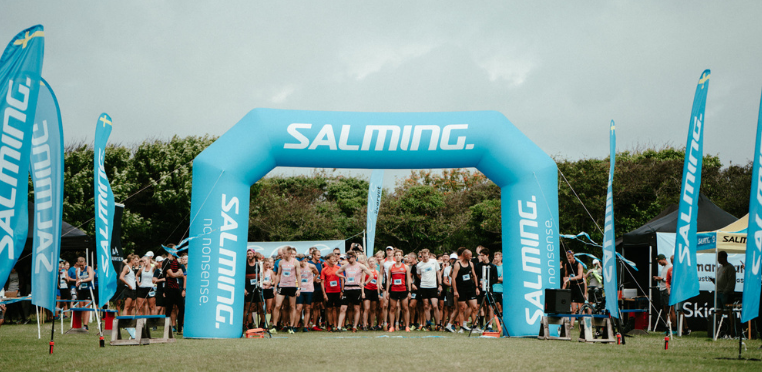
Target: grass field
x: 20, y: 350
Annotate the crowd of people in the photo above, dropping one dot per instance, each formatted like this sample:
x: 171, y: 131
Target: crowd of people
x: 389, y: 291
x: 147, y: 285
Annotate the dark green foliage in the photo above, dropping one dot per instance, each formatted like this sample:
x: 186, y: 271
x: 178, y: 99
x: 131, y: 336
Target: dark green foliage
x: 440, y: 211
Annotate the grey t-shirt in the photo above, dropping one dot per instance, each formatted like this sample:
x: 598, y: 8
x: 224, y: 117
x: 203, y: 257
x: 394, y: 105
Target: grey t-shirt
x: 726, y: 278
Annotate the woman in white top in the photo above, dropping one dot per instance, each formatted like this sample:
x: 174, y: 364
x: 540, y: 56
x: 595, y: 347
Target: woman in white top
x: 128, y: 278
x: 145, y: 286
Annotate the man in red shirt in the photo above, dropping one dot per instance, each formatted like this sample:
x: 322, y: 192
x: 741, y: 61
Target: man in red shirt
x: 332, y: 285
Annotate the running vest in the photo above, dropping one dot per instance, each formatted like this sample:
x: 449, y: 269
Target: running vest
x: 287, y: 275
x: 463, y: 279
x: 130, y: 279
x: 399, y: 275
x: 569, y: 268
x: 82, y: 275
x: 371, y: 282
x: 62, y: 282
x: 352, y: 275
x: 307, y: 279
x: 146, y: 279
x: 267, y: 281
x: 252, y: 273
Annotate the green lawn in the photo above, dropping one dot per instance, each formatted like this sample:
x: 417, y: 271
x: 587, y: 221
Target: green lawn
x: 20, y: 350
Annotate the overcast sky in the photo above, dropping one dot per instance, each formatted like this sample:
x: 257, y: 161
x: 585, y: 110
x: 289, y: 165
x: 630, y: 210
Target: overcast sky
x: 558, y: 70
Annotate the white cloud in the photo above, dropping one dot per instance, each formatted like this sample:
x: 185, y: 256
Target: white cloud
x: 282, y: 94
x: 362, y: 62
x: 510, y: 69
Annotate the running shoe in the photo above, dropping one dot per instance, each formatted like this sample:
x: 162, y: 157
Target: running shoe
x: 407, y: 329
x: 466, y: 328
x: 316, y: 328
x: 354, y: 329
x: 478, y: 330
x: 449, y: 328
x: 273, y: 331
x: 86, y: 327
x: 411, y: 328
x: 305, y: 329
x: 460, y: 330
x: 426, y: 329
x: 391, y: 329
x: 290, y: 331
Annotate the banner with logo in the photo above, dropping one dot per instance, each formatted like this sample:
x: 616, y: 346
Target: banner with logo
x: 266, y: 138
x: 47, y: 169
x: 753, y: 275
x: 375, y: 190
x: 685, y: 283
x: 104, y: 212
x: 706, y: 265
x: 270, y: 249
x: 20, y: 69
x: 609, y: 238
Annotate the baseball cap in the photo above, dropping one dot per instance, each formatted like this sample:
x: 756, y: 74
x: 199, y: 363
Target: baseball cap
x: 149, y: 254
x: 453, y: 256
x: 596, y: 261
x: 159, y: 259
x: 389, y: 247
x: 661, y: 257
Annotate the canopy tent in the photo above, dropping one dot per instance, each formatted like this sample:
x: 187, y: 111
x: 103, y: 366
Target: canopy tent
x: 640, y: 244
x: 72, y: 238
x: 731, y: 238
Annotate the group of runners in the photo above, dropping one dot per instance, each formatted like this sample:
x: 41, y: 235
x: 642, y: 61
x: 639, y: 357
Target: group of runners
x: 389, y: 291
x: 148, y: 286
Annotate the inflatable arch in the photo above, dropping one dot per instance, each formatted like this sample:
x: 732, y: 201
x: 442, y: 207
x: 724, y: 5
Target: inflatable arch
x: 266, y: 138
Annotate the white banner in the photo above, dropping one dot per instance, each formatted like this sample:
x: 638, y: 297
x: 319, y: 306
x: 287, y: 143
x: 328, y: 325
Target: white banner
x: 665, y: 244
x: 270, y: 249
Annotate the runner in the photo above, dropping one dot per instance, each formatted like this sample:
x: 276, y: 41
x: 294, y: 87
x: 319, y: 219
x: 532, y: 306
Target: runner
x: 371, y: 293
x: 159, y: 280
x: 398, y: 290
x: 386, y: 263
x: 252, y: 301
x: 497, y: 289
x: 411, y: 261
x: 130, y: 291
x: 353, y: 288
x: 145, y: 286
x: 308, y: 274
x: 428, y: 270
x: 288, y: 287
x: 331, y: 289
x: 63, y: 287
x: 464, y: 289
x: 318, y: 304
x: 267, y: 288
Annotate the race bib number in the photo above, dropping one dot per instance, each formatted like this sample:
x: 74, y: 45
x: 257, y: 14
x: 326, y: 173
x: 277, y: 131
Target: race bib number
x: 333, y: 283
x: 286, y: 272
x: 350, y: 280
x: 305, y: 280
x: 412, y: 296
x: 467, y: 277
x: 373, y: 281
x: 83, y: 286
x: 253, y: 281
x: 397, y: 282
x: 429, y: 269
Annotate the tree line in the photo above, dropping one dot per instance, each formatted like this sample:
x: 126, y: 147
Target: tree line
x: 438, y: 210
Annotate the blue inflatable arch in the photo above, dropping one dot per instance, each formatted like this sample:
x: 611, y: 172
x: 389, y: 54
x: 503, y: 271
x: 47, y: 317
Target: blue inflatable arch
x: 266, y: 138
